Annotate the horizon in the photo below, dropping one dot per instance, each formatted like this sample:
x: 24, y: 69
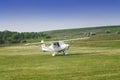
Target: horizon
x: 69, y: 28
x: 47, y: 15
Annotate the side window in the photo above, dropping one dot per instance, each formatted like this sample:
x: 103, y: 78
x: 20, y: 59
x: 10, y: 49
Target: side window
x: 57, y: 44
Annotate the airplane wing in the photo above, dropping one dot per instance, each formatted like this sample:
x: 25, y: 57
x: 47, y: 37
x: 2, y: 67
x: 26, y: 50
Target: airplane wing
x: 85, y: 38
x: 33, y: 43
x: 50, y: 42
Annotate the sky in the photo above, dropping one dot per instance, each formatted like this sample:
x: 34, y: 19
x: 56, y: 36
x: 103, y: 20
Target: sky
x: 44, y: 15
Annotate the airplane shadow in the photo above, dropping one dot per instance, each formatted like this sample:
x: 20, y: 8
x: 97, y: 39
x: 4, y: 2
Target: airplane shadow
x: 81, y: 54
x: 73, y: 54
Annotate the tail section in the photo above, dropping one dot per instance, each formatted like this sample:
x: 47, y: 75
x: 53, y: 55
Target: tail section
x: 44, y: 48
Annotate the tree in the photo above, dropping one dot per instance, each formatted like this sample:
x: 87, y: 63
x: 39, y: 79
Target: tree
x: 1, y: 41
x: 15, y: 38
x: 7, y: 37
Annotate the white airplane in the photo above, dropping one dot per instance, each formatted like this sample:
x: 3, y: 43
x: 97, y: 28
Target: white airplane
x: 57, y: 46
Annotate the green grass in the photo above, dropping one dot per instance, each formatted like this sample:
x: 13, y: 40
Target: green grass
x: 108, y: 37
x: 101, y: 43
x: 88, y: 61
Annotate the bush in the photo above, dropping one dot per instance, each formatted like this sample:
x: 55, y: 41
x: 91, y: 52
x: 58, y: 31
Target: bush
x: 107, y: 31
x: 118, y: 32
x: 23, y: 41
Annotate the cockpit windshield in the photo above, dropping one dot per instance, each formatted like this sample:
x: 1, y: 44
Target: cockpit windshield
x: 56, y: 44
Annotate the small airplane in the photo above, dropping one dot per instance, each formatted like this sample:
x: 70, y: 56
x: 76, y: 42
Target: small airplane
x: 56, y: 46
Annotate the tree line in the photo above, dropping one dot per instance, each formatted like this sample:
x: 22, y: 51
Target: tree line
x: 7, y: 37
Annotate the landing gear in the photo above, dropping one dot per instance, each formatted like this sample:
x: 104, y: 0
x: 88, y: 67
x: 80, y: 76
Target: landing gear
x: 65, y: 53
x: 54, y: 54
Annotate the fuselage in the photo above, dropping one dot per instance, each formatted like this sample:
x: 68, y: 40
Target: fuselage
x: 56, y: 47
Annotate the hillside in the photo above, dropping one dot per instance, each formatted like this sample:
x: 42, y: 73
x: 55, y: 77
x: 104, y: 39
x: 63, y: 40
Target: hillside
x: 96, y: 33
x: 77, y: 31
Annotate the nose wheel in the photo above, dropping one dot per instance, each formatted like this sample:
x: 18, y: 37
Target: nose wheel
x: 54, y: 54
x: 65, y: 53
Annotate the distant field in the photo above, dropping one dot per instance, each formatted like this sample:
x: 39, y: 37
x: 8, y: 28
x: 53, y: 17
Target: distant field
x: 87, y: 60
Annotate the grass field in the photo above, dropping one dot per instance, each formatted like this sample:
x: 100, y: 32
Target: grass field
x: 87, y: 60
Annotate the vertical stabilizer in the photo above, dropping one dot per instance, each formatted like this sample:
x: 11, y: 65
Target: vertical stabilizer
x: 44, y: 48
